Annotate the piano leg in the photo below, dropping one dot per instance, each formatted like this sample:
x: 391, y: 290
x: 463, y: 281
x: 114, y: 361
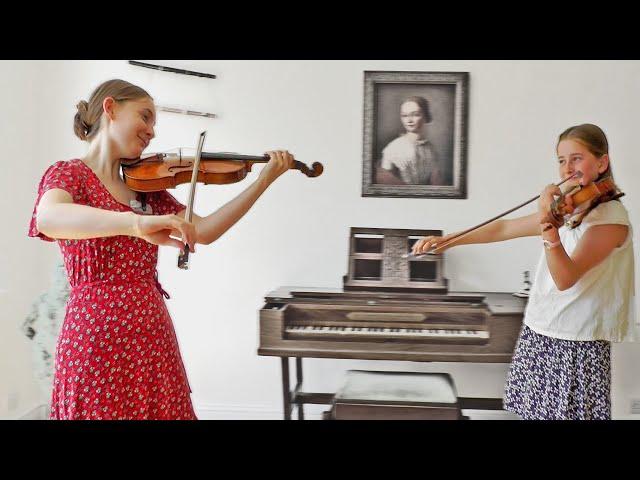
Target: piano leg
x: 298, y: 387
x: 286, y: 393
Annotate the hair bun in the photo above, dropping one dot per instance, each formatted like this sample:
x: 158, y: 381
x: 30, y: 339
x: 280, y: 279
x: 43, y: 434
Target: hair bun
x: 82, y: 106
x: 80, y: 126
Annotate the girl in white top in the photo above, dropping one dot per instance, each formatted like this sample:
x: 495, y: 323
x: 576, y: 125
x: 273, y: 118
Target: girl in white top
x: 411, y: 158
x: 582, y: 296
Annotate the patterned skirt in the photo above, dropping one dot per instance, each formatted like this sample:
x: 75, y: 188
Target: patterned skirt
x: 553, y: 379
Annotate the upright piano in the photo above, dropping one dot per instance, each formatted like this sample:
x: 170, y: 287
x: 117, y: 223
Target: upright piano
x: 392, y: 306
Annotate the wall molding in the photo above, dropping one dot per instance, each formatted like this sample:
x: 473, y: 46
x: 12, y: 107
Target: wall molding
x: 221, y: 411
x: 39, y: 412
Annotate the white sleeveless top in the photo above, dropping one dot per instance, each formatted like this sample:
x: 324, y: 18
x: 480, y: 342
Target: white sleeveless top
x: 601, y: 305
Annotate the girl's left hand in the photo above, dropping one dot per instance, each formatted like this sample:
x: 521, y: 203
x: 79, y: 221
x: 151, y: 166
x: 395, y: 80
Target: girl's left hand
x: 546, y: 199
x: 279, y: 162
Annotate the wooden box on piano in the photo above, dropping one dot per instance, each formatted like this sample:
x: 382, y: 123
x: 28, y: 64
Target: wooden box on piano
x: 378, y: 261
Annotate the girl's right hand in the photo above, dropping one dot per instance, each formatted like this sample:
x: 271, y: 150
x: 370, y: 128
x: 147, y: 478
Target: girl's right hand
x: 429, y: 243
x: 547, y: 196
x: 156, y: 229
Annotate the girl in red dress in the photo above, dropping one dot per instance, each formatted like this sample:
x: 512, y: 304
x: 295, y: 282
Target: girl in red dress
x: 117, y: 355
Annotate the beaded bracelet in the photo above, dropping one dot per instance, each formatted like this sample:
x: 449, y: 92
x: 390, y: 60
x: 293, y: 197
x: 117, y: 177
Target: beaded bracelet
x: 549, y: 245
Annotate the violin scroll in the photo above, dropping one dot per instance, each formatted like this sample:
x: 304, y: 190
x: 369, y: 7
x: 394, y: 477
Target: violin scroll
x: 315, y: 170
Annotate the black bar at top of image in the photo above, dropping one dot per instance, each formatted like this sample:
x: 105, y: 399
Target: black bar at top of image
x: 170, y: 69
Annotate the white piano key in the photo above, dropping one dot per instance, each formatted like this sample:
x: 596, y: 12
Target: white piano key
x: 387, y: 332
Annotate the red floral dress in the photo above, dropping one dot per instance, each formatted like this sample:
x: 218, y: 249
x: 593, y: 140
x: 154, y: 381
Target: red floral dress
x: 117, y: 354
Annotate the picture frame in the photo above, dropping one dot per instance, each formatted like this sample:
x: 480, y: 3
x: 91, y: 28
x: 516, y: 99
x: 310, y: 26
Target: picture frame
x: 415, y: 134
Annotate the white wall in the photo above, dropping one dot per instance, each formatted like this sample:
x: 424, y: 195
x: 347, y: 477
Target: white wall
x: 21, y: 269
x: 297, y: 233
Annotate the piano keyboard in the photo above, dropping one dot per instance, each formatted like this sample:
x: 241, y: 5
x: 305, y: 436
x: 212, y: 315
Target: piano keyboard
x: 319, y: 331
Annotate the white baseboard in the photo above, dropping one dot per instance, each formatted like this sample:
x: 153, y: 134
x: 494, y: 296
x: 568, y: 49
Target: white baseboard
x: 490, y: 415
x: 210, y: 412
x: 266, y: 412
x: 253, y: 412
x: 39, y: 412
x: 627, y: 417
x: 311, y: 412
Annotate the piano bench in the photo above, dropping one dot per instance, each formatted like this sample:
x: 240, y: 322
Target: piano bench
x: 371, y: 395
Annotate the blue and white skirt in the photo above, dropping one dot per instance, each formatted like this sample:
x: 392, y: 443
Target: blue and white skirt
x: 553, y: 379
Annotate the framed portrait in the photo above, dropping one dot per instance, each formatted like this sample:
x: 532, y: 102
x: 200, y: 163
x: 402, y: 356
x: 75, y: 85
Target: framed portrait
x: 415, y: 134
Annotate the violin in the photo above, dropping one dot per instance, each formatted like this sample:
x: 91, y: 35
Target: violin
x: 161, y: 171
x: 584, y: 198
x: 164, y: 170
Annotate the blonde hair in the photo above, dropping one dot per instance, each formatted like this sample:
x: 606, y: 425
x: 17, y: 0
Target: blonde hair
x: 86, y: 121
